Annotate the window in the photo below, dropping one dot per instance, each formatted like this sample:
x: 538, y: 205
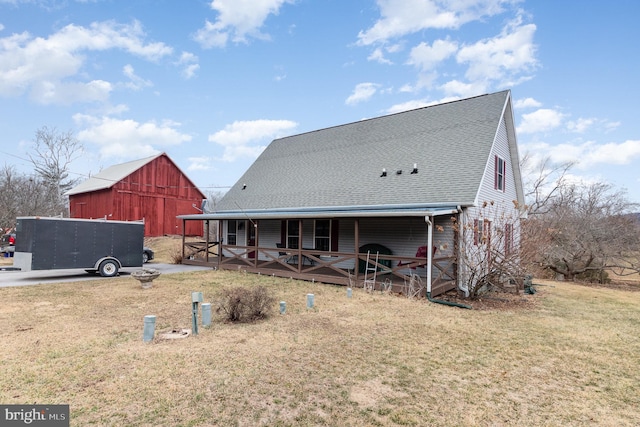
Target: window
x: 508, y: 239
x: 476, y: 232
x: 500, y: 173
x: 232, y: 226
x: 481, y: 232
x: 322, y: 234
x: 293, y: 234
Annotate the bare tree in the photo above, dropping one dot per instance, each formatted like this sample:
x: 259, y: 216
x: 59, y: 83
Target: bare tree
x: 21, y: 195
x: 54, y: 152
x: 542, y: 182
x: 585, y: 229
x: 491, y: 255
x: 10, y: 183
x: 213, y: 198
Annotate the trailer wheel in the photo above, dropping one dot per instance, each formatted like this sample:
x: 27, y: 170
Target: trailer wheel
x: 108, y: 268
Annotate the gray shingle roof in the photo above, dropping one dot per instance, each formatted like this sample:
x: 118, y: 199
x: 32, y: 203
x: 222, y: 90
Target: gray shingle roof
x: 341, y: 166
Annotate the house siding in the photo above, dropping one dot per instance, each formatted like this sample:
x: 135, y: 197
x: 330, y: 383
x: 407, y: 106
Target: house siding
x: 499, y: 202
x: 402, y: 236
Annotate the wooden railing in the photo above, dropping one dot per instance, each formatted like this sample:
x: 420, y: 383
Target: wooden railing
x: 341, y: 267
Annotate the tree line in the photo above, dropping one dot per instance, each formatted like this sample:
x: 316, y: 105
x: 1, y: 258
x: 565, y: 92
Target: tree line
x: 569, y: 228
x: 41, y: 192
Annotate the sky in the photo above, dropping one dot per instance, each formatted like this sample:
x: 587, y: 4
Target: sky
x: 212, y: 83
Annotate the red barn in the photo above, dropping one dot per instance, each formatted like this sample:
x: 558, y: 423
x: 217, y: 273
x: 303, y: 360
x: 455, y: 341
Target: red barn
x: 153, y: 189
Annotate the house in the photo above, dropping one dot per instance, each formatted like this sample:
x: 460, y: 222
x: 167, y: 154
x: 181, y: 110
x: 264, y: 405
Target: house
x: 391, y: 190
x: 153, y: 189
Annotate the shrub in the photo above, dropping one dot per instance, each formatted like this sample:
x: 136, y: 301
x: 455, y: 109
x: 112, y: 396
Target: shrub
x: 594, y: 276
x: 241, y: 304
x: 176, y: 256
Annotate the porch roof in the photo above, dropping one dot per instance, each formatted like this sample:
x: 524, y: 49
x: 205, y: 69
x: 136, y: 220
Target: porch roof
x: 330, y: 212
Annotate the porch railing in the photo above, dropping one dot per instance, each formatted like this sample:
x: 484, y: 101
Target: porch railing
x: 329, y: 267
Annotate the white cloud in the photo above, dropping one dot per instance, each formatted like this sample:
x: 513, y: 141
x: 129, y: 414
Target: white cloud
x: 362, y: 92
x: 527, y: 103
x: 239, y: 138
x: 610, y: 126
x: 378, y: 56
x: 237, y: 20
x: 201, y: 163
x: 402, y: 17
x: 428, y: 57
x: 503, y: 57
x: 588, y: 154
x: 580, y: 125
x: 458, y: 89
x: 541, y: 120
x: 135, y: 82
x: 418, y: 103
x: 128, y: 139
x: 46, y: 67
x: 189, y: 63
x: 46, y: 92
x: 406, y: 106
x: 504, y: 60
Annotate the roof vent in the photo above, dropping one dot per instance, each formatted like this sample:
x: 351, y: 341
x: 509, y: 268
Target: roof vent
x: 399, y: 172
x: 415, y: 168
x: 384, y: 173
x: 244, y: 186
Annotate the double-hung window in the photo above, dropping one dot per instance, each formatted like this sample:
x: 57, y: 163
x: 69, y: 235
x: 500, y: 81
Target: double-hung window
x: 232, y: 227
x: 500, y: 173
x: 293, y: 234
x: 322, y: 234
x: 508, y: 239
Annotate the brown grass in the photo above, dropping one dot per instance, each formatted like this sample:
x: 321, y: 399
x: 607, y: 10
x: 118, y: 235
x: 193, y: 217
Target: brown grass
x: 568, y: 355
x: 165, y: 248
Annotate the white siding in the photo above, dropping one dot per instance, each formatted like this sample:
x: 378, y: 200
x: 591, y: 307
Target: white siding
x: 499, y: 204
x: 402, y: 236
x: 487, y: 191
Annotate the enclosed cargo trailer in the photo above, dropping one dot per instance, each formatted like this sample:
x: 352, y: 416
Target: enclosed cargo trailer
x: 63, y: 243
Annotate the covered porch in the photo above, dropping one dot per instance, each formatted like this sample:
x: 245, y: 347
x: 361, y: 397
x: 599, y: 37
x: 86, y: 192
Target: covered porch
x: 335, y: 249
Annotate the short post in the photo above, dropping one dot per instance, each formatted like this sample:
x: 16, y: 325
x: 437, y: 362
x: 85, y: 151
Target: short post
x: 349, y: 292
x: 196, y: 297
x: 283, y: 307
x: 206, y: 314
x: 149, y: 328
x: 309, y: 300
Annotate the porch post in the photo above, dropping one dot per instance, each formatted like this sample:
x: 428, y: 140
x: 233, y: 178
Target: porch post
x: 429, y: 221
x: 206, y: 241
x: 300, y: 259
x: 255, y: 243
x: 184, y: 228
x: 220, y: 241
x: 356, y: 233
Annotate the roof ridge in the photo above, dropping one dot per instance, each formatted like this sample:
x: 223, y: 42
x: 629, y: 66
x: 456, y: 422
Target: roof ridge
x: 437, y: 104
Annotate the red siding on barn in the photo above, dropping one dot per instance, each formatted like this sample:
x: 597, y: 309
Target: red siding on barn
x: 157, y: 192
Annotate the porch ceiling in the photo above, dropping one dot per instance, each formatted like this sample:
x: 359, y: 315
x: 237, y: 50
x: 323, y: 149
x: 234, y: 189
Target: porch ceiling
x: 331, y: 212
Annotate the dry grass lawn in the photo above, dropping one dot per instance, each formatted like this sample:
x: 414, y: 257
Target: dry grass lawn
x: 566, y: 356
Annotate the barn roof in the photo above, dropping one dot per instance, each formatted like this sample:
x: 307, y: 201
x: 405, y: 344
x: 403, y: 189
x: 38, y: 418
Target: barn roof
x: 339, y: 168
x: 106, y: 178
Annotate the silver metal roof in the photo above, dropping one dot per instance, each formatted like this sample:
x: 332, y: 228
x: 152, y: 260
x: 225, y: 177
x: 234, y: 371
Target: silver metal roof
x: 109, y: 176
